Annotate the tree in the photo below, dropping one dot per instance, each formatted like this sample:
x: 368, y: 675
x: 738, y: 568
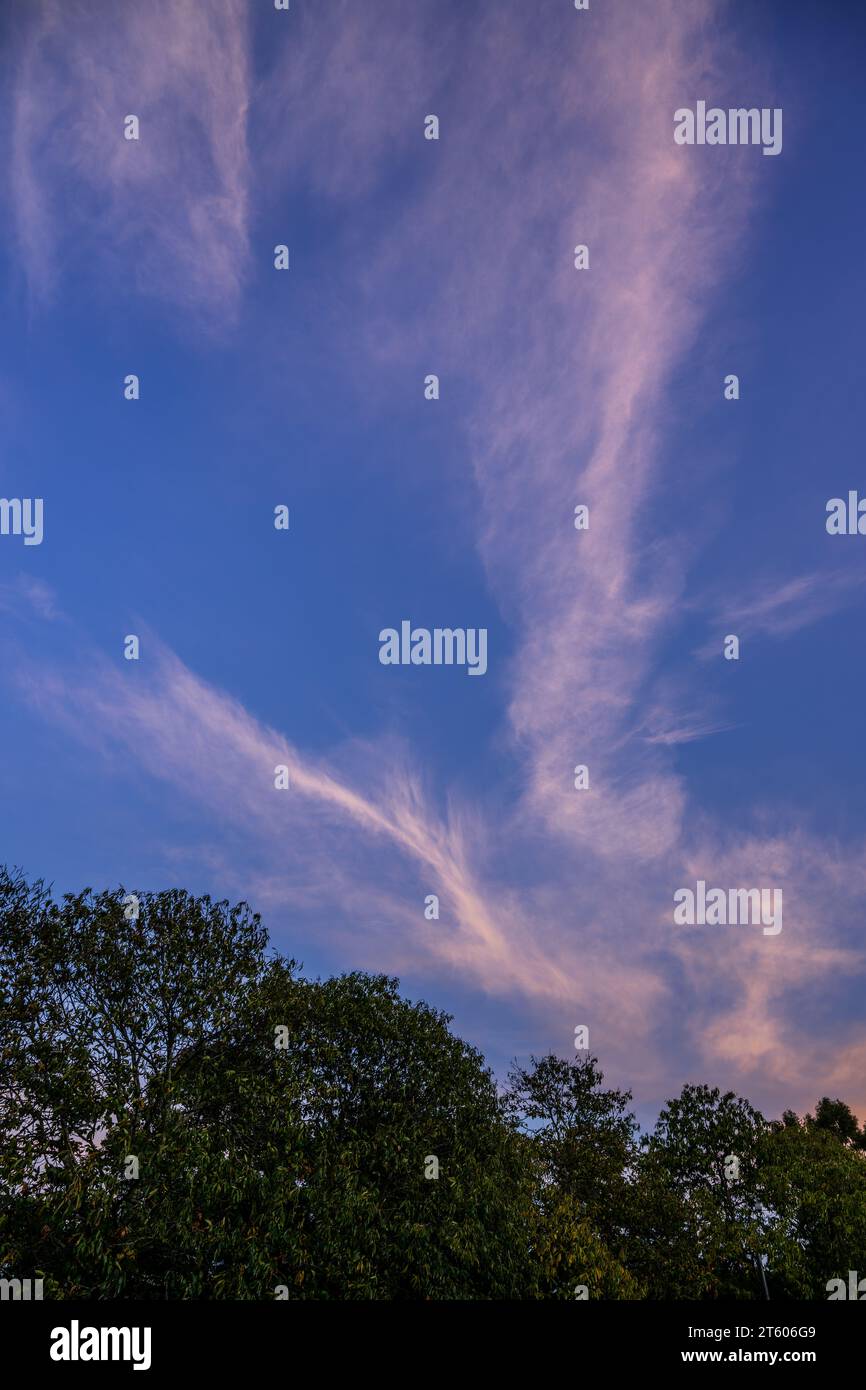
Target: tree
x: 583, y: 1138
x: 183, y: 1115
x: 155, y: 1141
x: 813, y: 1178
x: 836, y: 1118
x: 698, y: 1173
x: 584, y: 1134
x: 100, y: 997
x: 412, y: 1184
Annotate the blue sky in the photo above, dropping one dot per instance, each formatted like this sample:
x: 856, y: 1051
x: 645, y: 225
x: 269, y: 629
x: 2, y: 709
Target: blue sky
x: 558, y: 386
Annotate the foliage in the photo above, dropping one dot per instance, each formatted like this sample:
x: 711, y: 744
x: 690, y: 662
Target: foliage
x: 183, y: 1115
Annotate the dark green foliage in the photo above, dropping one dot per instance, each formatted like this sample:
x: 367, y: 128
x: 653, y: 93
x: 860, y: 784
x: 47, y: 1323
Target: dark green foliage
x: 380, y: 1086
x: 305, y: 1170
x: 701, y: 1164
x: 814, y: 1179
x: 96, y: 1012
x: 836, y: 1118
x: 259, y: 1167
x: 584, y: 1136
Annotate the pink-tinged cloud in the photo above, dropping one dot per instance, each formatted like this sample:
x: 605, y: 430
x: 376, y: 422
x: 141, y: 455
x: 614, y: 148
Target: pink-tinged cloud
x: 25, y: 596
x: 571, y: 375
x: 167, y: 214
x: 779, y: 608
x: 358, y: 840
x: 774, y: 1023
x: 568, y: 369
x: 376, y: 852
x: 347, y: 89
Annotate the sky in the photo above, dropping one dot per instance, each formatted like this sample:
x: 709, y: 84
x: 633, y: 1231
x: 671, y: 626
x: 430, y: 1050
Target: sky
x: 559, y: 387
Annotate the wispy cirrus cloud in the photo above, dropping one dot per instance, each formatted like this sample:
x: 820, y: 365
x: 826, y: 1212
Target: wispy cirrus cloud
x: 358, y: 842
x: 777, y: 608
x: 167, y: 214
x: 342, y: 97
x: 570, y: 371
x: 377, y: 851
x: 27, y: 596
x: 670, y: 732
x: 783, y: 1014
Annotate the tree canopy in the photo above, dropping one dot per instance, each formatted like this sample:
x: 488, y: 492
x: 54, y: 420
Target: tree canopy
x: 184, y: 1115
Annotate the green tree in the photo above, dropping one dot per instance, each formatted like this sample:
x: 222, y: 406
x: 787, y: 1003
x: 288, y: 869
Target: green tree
x: 98, y: 1005
x: 412, y: 1184
x: 837, y: 1118
x: 309, y: 1167
x: 182, y: 1115
x: 708, y: 1233
x: 584, y: 1134
x: 813, y: 1178
x: 583, y: 1138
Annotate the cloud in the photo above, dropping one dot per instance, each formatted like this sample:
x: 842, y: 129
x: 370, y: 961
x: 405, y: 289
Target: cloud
x: 568, y: 376
x: 345, y: 95
x: 777, y: 608
x: 567, y: 371
x: 357, y: 843
x: 167, y: 214
x: 26, y: 597
x: 785, y: 1016
x: 335, y: 843
x: 675, y: 733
